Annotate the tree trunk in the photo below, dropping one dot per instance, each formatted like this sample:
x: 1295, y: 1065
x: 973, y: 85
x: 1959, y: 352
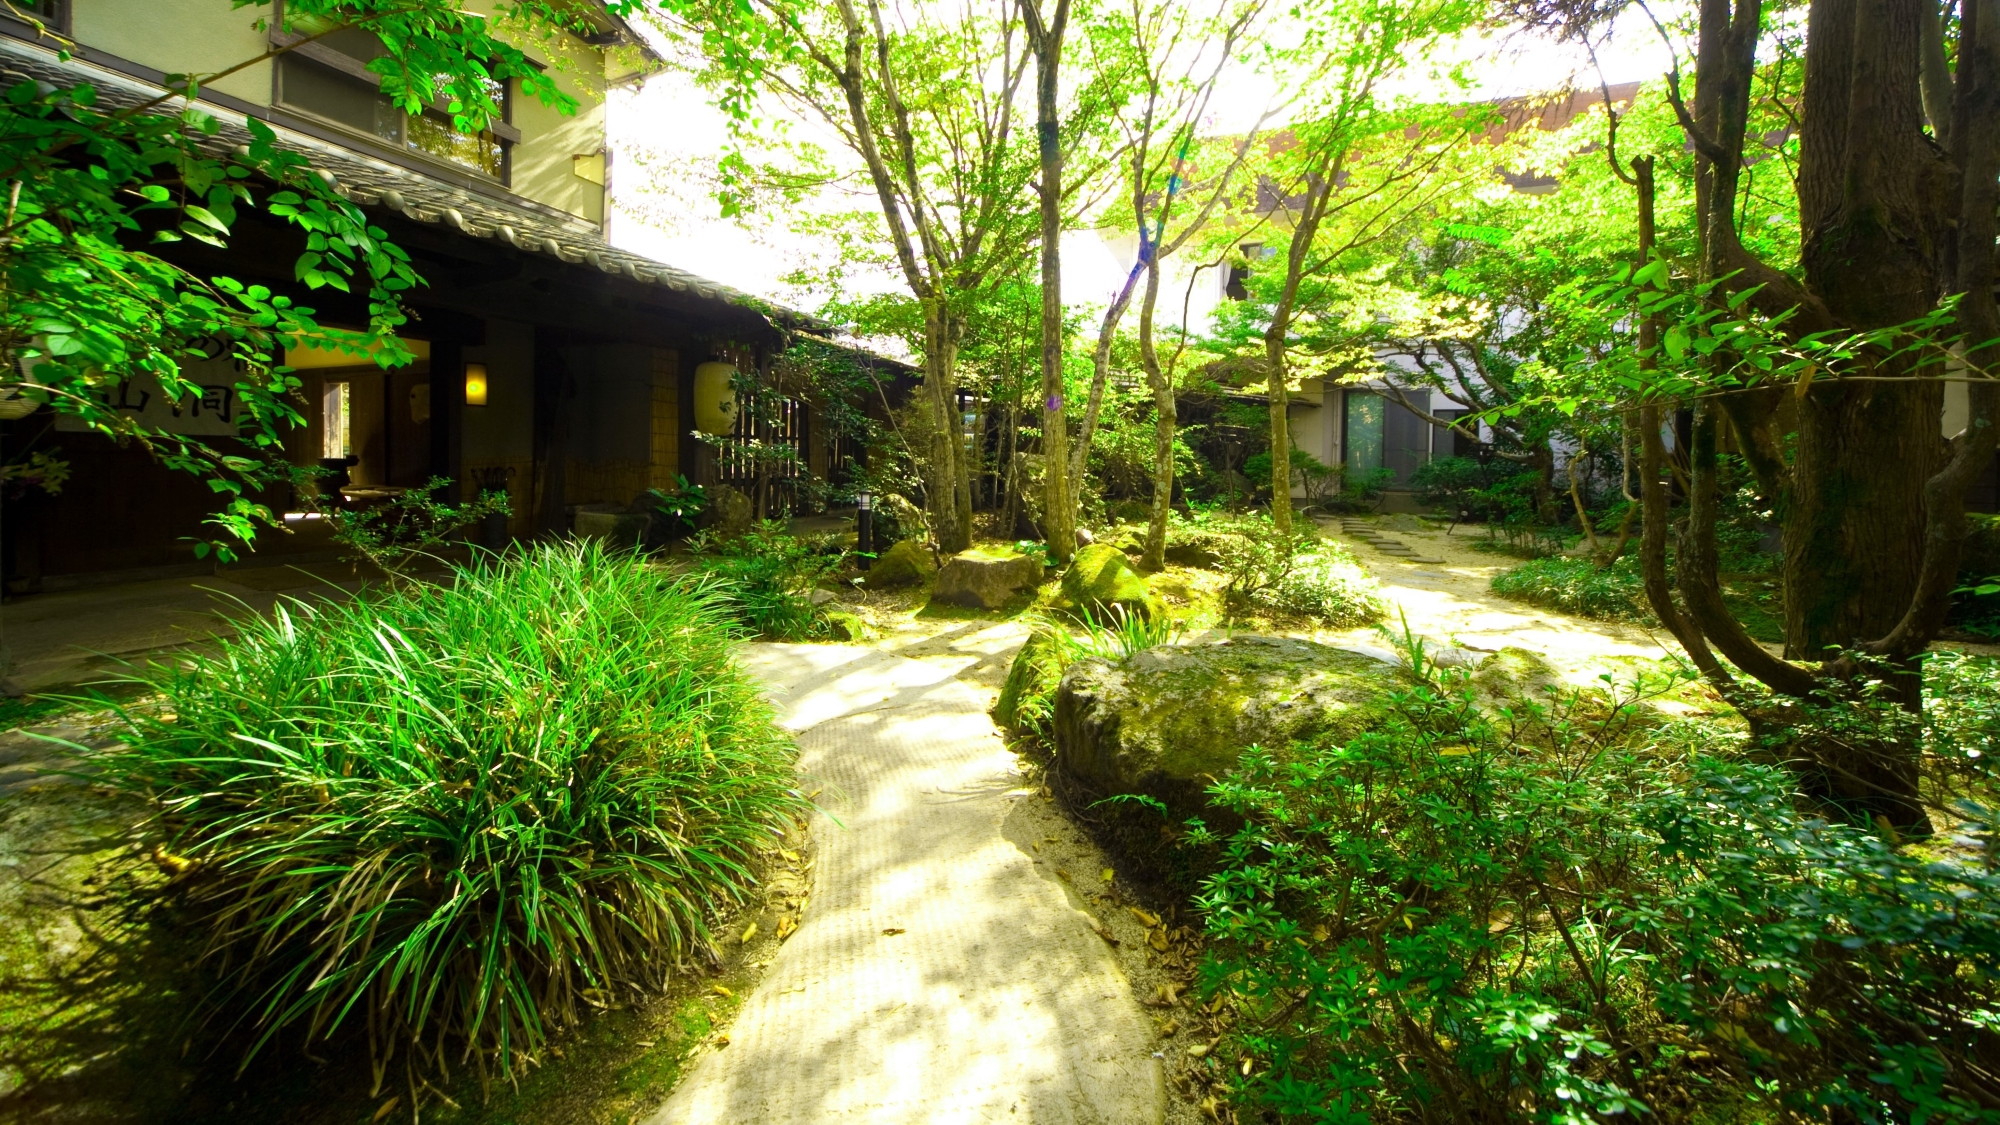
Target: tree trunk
x: 1165, y: 421
x: 1058, y: 519
x: 1281, y: 432
x: 1100, y: 372
x: 1853, y: 520
x: 1319, y: 188
x: 947, y: 495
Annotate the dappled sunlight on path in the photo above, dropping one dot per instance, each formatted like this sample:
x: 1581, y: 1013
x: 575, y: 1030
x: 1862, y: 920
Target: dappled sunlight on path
x: 938, y: 975
x: 1450, y: 602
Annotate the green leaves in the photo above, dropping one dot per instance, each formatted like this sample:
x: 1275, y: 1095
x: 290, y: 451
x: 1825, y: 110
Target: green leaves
x: 1575, y: 910
x: 463, y: 816
x: 99, y: 313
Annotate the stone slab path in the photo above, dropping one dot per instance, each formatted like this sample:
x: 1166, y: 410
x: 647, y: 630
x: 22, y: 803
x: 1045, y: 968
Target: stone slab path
x: 938, y: 974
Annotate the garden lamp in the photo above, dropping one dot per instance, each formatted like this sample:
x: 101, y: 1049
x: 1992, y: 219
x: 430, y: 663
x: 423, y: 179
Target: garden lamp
x: 864, y: 526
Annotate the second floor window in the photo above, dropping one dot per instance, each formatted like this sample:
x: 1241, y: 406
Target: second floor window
x: 329, y: 79
x: 1234, y: 284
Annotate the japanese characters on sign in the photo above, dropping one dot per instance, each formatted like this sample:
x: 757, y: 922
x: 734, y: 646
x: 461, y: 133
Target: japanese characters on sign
x: 211, y: 413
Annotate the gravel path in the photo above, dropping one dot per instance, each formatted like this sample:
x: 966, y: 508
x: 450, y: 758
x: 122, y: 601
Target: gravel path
x: 1447, y: 599
x: 939, y: 974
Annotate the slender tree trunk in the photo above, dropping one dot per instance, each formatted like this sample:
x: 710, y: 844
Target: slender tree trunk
x: 961, y: 460
x: 946, y: 494
x: 1165, y: 422
x: 1319, y: 186
x: 1100, y: 372
x: 1281, y: 432
x: 1058, y: 519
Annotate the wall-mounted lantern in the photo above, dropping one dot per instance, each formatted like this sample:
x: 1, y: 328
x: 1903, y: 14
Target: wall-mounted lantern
x: 715, y: 398
x: 475, y: 384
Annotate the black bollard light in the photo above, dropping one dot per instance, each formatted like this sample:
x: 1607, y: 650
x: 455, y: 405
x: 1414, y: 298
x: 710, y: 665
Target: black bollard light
x: 864, y: 527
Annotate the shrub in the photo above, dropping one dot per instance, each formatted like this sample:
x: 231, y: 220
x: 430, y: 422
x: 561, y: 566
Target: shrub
x: 1326, y: 584
x: 1253, y: 553
x: 1301, y: 574
x: 459, y: 817
x: 1450, y: 483
x: 1578, y: 586
x: 1961, y: 721
x: 1322, y: 482
x: 769, y: 576
x: 1575, y: 913
x: 675, y: 513
x: 411, y: 527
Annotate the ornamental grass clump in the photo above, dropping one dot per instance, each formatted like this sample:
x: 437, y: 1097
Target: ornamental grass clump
x: 455, y: 819
x: 1578, y: 586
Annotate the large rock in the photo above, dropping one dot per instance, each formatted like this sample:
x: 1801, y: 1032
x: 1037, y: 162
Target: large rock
x: 908, y: 563
x: 1173, y: 719
x: 1195, y: 547
x: 730, y: 513
x: 616, y: 525
x: 986, y: 578
x: 1025, y: 699
x: 1100, y: 581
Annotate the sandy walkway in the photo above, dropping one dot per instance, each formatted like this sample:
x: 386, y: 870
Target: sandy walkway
x: 1450, y: 602
x: 939, y: 974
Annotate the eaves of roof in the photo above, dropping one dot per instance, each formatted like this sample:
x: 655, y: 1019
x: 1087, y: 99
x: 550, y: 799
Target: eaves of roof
x: 625, y: 34
x: 521, y: 223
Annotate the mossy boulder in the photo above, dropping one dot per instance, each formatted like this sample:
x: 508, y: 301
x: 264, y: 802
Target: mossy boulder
x: 1199, y: 548
x: 1026, y: 697
x: 985, y: 578
x: 847, y: 627
x: 1514, y: 674
x: 908, y: 563
x: 730, y: 513
x: 1171, y: 720
x: 1100, y: 581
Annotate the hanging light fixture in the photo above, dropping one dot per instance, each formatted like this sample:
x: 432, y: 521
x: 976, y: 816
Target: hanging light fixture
x: 715, y: 398
x: 475, y: 384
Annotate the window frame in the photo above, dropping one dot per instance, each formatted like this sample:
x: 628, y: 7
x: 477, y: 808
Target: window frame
x: 57, y: 21
x: 503, y: 131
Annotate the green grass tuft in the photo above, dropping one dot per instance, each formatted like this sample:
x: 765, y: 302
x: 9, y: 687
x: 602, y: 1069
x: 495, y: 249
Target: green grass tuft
x: 1578, y: 586
x: 459, y: 818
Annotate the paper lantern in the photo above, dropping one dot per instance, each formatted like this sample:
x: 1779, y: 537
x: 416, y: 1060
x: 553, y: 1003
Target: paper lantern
x: 475, y: 384
x: 715, y: 398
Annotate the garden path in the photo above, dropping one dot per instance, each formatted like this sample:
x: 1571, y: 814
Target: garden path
x: 1450, y: 602
x: 939, y: 974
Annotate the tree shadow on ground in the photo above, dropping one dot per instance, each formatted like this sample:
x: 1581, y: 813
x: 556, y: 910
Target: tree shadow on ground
x: 102, y: 989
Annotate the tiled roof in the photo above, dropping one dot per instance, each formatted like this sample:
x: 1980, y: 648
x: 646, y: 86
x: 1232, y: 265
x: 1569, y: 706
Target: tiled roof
x: 520, y: 223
